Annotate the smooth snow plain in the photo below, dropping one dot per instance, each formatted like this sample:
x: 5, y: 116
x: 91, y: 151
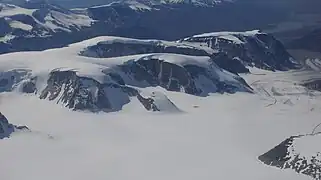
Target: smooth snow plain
x: 214, y: 137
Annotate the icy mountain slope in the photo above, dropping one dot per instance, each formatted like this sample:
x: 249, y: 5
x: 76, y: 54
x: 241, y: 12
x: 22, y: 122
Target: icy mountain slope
x: 216, y: 135
x: 95, y: 84
x: 253, y: 48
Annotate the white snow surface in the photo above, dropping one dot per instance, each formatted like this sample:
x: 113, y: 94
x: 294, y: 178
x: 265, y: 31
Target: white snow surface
x: 11, y: 10
x: 217, y: 137
x: 7, y: 38
x: 306, y: 146
x: 20, y: 25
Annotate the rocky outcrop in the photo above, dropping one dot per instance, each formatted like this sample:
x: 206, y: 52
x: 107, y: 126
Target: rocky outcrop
x: 188, y: 78
x: 233, y: 65
x: 157, y: 101
x: 187, y: 74
x: 83, y: 93
x: 252, y: 48
x: 6, y: 129
x: 291, y: 154
x: 313, y: 84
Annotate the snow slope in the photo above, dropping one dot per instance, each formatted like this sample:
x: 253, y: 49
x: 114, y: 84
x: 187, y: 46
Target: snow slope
x: 214, y: 136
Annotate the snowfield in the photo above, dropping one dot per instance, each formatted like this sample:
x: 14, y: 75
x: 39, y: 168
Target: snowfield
x: 215, y: 137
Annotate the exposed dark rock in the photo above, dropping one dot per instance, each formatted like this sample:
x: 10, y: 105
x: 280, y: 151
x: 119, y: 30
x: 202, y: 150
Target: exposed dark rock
x: 6, y: 129
x: 234, y: 65
x: 29, y: 86
x: 148, y: 103
x: 251, y: 48
x: 156, y: 101
x: 287, y: 155
x: 116, y: 48
x: 313, y: 85
x: 83, y: 93
x: 188, y: 78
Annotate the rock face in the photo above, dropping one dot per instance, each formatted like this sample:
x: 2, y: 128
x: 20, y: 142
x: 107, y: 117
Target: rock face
x: 190, y: 78
x: 252, y: 48
x: 313, y: 85
x: 234, y: 65
x: 157, y: 101
x: 6, y: 128
x: 83, y: 93
x: 292, y: 154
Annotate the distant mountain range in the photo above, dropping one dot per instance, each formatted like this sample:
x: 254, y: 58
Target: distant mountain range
x: 86, y: 3
x: 29, y: 25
